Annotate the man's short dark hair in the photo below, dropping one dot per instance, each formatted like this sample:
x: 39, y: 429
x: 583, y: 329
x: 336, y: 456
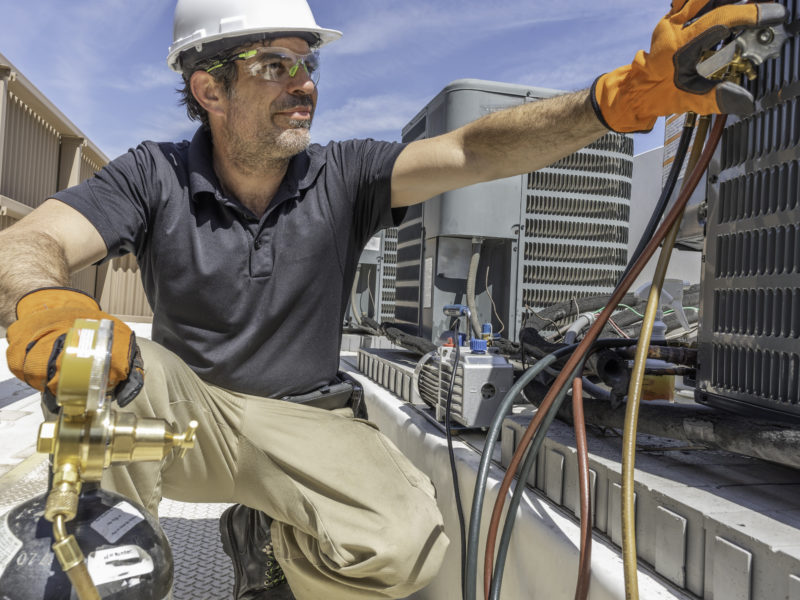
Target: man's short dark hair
x: 225, y: 75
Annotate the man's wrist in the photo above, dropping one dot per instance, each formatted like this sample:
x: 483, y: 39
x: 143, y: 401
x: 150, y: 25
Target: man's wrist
x: 595, y: 106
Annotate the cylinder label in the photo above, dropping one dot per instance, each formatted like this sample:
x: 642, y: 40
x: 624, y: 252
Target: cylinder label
x: 115, y: 564
x: 118, y: 521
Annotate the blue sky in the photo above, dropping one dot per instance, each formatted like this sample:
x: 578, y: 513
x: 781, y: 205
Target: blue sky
x: 102, y: 62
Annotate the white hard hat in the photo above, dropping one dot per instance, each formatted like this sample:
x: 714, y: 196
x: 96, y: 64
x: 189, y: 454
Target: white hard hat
x: 200, y: 22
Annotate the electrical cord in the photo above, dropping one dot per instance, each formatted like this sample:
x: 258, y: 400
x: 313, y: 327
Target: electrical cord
x: 494, y: 306
x: 666, y: 194
x: 591, y: 335
x: 451, y: 454
x: 371, y: 297
x: 629, y: 559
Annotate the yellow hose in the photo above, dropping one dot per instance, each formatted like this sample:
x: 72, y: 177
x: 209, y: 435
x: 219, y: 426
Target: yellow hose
x: 629, y: 560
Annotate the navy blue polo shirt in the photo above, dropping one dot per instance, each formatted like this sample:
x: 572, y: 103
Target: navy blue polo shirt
x: 252, y: 305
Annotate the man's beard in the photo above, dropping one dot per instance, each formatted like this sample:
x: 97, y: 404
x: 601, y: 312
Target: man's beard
x: 265, y: 145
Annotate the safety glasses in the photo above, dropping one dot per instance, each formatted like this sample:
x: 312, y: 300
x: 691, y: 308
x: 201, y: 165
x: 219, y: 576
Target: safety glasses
x: 275, y: 64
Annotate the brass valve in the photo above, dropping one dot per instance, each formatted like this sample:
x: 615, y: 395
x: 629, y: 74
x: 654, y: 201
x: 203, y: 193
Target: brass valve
x: 89, y: 436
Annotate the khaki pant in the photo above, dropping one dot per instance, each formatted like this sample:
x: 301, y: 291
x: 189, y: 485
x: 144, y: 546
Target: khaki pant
x: 353, y: 517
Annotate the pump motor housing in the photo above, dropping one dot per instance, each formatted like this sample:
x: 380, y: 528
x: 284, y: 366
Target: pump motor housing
x: 482, y: 379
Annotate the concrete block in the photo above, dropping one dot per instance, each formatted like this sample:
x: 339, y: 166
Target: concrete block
x: 733, y: 570
x: 671, y: 537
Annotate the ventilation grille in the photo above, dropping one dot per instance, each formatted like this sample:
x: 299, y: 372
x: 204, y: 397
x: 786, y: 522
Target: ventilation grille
x: 596, y: 163
x: 770, y: 377
x: 578, y: 184
x: 575, y: 224
x: 758, y: 312
x: 763, y: 192
x: 749, y: 355
x: 767, y: 251
x: 388, y: 274
x: 570, y: 206
x: 408, y: 277
x: 774, y: 129
x: 576, y: 230
x: 557, y: 252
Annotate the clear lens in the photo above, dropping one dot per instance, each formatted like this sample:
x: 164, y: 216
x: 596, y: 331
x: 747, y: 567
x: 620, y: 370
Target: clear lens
x: 280, y: 64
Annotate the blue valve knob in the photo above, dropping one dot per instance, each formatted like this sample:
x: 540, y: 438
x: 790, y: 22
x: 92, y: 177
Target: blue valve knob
x: 478, y: 346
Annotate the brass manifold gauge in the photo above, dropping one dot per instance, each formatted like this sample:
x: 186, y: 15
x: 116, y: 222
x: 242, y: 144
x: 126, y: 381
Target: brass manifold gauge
x: 89, y: 436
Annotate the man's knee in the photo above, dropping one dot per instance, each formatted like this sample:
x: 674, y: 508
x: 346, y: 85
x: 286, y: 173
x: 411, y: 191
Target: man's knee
x: 414, y: 551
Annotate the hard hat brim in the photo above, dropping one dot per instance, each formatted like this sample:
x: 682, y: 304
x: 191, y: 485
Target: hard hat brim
x: 198, y: 40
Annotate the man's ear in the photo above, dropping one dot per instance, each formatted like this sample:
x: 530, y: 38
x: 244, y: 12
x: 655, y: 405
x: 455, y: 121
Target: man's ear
x: 208, y: 92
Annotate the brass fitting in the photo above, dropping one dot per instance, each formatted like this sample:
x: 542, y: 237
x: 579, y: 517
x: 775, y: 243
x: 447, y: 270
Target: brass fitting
x: 89, y: 436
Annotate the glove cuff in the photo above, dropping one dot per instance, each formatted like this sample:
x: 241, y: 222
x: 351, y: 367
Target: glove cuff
x: 53, y: 297
x: 615, y: 104
x: 598, y: 113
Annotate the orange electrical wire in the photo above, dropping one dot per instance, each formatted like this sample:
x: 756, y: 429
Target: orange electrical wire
x: 579, y: 423
x: 589, y: 338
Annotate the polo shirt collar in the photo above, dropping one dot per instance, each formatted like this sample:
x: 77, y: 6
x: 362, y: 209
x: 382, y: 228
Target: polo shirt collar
x: 301, y: 174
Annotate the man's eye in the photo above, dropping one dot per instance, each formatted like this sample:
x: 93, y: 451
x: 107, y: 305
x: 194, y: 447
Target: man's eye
x: 275, y: 66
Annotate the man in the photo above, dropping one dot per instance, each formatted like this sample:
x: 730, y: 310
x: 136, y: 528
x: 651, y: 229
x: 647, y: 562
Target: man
x: 248, y: 239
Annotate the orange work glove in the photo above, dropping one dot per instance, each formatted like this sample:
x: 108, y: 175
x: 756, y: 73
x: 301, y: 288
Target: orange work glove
x: 665, y: 80
x: 36, y: 339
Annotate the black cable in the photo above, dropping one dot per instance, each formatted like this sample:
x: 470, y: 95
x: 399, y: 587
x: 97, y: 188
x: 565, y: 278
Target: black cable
x: 663, y: 201
x: 522, y: 479
x: 451, y: 452
x: 491, y: 440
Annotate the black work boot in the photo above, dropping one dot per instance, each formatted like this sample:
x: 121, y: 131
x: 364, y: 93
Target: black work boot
x: 246, y: 539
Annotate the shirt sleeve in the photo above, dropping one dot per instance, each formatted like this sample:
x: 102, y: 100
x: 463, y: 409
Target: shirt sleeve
x: 367, y: 166
x: 116, y: 200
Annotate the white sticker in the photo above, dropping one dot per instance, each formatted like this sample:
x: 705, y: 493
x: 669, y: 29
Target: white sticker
x: 116, y: 564
x: 427, y: 283
x: 118, y: 521
x: 9, y: 543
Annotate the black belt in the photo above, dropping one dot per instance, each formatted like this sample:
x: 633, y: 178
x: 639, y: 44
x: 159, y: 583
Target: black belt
x: 343, y: 392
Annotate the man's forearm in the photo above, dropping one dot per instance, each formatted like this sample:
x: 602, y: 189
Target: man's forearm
x: 28, y: 261
x: 531, y: 136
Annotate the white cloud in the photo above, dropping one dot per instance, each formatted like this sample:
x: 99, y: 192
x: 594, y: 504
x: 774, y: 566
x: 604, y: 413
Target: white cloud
x: 168, y: 123
x: 381, y: 116
x: 378, y: 26
x: 140, y: 78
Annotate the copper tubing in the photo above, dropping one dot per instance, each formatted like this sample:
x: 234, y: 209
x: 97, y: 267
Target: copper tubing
x: 594, y: 331
x: 582, y: 446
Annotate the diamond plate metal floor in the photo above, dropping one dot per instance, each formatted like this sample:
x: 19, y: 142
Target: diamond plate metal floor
x: 202, y: 570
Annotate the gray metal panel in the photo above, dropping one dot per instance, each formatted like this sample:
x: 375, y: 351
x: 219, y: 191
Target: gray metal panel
x: 749, y: 356
x: 488, y: 209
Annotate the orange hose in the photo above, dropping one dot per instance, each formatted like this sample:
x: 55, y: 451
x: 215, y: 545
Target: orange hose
x: 585, y: 562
